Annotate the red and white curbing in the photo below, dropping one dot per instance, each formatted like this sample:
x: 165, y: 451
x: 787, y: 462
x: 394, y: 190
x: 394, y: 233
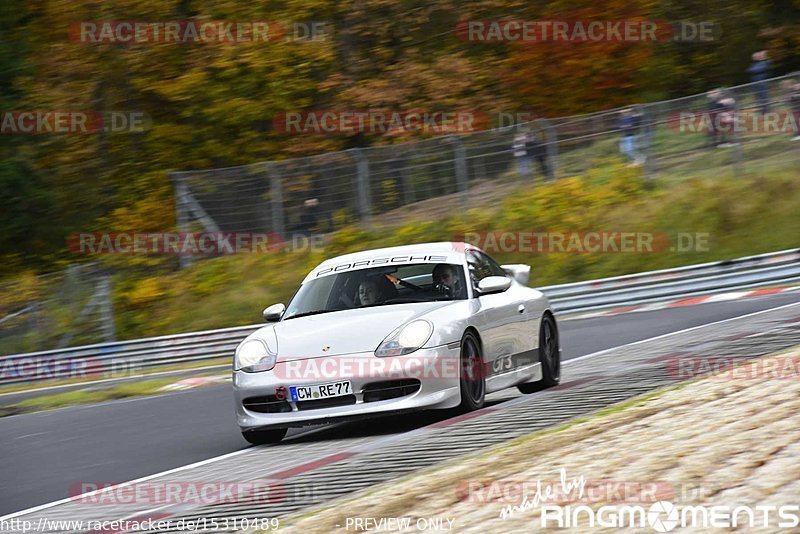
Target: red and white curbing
x: 704, y: 299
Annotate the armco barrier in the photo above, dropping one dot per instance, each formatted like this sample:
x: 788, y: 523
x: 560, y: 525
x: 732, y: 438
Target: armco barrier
x: 107, y: 359
x: 776, y: 268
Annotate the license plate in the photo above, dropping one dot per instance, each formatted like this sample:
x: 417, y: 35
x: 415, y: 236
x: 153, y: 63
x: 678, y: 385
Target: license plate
x: 321, y: 391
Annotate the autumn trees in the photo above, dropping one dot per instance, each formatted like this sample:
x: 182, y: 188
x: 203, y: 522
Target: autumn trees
x: 212, y: 104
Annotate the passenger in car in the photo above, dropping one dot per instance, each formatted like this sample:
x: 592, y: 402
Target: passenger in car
x: 375, y: 290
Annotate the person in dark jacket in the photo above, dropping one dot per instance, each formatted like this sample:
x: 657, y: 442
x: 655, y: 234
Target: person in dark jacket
x: 727, y: 122
x: 536, y: 148
x: 759, y: 71
x: 309, y: 216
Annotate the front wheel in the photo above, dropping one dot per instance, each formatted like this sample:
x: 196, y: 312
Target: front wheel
x: 472, y: 378
x: 549, y: 357
x: 263, y: 437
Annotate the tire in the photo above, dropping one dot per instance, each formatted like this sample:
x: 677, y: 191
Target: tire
x: 264, y: 437
x: 472, y: 381
x: 549, y: 357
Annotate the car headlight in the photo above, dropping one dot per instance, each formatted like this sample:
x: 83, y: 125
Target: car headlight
x: 406, y: 340
x: 253, y: 356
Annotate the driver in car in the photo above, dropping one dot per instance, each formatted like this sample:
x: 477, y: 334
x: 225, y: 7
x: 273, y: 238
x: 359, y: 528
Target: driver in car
x: 374, y: 290
x: 446, y: 280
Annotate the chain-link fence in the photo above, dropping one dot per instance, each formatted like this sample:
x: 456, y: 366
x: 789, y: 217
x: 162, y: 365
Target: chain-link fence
x: 323, y: 192
x: 670, y: 140
x: 70, y: 307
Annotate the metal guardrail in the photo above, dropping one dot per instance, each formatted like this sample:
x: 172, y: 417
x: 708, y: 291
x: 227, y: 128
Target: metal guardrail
x: 775, y: 268
x: 126, y: 357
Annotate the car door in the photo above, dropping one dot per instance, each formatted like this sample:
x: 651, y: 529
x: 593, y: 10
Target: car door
x: 524, y: 321
x: 497, y: 315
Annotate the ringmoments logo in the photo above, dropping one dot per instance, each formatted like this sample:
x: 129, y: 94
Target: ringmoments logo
x: 664, y: 516
x: 660, y: 516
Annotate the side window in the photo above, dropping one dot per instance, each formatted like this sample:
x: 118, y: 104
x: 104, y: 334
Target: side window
x: 479, y: 267
x: 494, y: 266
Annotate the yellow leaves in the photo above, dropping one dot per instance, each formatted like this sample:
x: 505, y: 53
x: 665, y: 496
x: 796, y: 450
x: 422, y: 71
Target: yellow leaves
x: 182, y: 88
x: 570, y: 204
x: 145, y: 291
x: 25, y: 288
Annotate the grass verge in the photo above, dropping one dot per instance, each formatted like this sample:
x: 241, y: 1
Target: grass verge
x: 741, y: 216
x: 33, y: 386
x: 86, y: 396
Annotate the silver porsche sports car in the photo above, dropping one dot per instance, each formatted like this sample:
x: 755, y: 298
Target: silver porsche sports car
x: 418, y: 327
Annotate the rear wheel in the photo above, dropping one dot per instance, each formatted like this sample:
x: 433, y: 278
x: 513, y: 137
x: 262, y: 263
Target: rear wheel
x: 549, y: 357
x: 263, y: 437
x: 472, y: 376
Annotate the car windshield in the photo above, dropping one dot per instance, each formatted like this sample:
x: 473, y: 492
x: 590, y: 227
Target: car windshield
x: 379, y: 286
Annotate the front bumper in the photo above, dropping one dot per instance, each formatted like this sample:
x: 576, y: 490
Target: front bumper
x: 425, y: 379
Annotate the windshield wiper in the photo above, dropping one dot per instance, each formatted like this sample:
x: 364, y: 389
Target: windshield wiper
x: 305, y: 314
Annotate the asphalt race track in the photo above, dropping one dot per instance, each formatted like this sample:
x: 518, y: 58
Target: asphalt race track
x: 127, y: 439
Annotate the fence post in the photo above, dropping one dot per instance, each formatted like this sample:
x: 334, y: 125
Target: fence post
x: 71, y: 283
x: 106, y: 306
x: 460, y: 164
x: 276, y: 199
x: 363, y: 185
x: 551, y: 142
x: 181, y: 215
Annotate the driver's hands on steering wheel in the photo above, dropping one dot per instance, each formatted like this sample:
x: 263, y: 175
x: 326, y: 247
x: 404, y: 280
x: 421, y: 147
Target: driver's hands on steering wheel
x: 443, y: 289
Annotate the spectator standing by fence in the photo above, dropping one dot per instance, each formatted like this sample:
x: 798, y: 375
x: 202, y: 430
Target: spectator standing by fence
x: 759, y: 71
x: 714, y: 107
x: 520, y: 148
x: 309, y: 217
x: 727, y: 122
x: 536, y: 147
x: 630, y: 123
x: 721, y: 115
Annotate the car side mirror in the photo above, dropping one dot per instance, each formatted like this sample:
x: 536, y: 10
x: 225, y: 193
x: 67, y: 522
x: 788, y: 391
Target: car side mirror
x: 519, y: 272
x: 493, y: 284
x: 274, y: 313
